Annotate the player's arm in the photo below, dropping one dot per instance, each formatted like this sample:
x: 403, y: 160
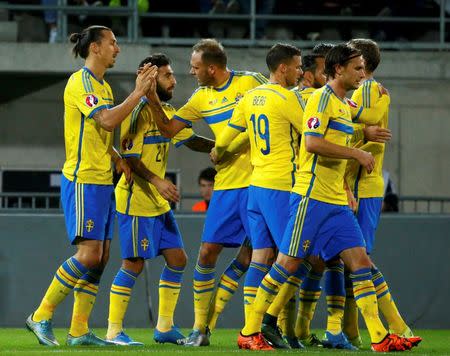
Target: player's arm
x: 165, y: 187
x: 371, y: 133
x: 319, y: 145
x: 373, y: 115
x: 108, y: 119
x: 120, y: 164
x: 200, y: 144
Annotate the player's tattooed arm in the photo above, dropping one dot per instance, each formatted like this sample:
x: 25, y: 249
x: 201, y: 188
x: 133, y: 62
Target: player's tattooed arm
x: 120, y: 164
x: 200, y: 144
x: 165, y: 187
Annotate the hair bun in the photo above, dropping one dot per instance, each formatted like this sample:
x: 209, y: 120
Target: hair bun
x: 75, y: 37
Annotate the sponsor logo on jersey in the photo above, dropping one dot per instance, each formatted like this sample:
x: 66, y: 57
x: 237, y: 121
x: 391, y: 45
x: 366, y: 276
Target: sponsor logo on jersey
x: 91, y: 100
x: 313, y: 123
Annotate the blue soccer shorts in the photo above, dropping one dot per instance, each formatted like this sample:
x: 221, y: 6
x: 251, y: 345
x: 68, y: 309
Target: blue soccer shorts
x: 89, y: 210
x: 226, y: 219
x: 368, y: 216
x: 147, y: 237
x: 318, y: 228
x: 268, y: 215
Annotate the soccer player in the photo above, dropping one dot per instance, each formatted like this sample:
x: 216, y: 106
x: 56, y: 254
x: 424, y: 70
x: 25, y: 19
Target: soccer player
x: 147, y: 227
x: 319, y: 214
x: 226, y: 220
x: 369, y: 190
x: 272, y: 115
x: 86, y: 186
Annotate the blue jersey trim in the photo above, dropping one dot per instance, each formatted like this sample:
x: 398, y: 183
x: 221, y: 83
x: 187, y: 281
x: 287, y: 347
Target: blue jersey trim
x: 228, y: 83
x: 313, y: 167
x: 293, y: 155
x: 187, y: 122
x: 155, y: 139
x: 80, y: 143
x: 222, y: 107
x: 237, y: 127
x: 358, y: 114
x: 92, y: 75
x: 214, y: 119
x: 101, y: 107
x: 131, y: 155
x: 313, y: 134
x: 340, y: 127
x: 180, y: 143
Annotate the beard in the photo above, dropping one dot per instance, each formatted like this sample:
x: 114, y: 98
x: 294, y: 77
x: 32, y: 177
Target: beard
x: 163, y: 94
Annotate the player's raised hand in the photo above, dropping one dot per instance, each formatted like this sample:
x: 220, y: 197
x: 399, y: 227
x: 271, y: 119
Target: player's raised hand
x: 377, y: 134
x: 167, y: 189
x: 123, y: 167
x: 144, y: 78
x: 366, y: 160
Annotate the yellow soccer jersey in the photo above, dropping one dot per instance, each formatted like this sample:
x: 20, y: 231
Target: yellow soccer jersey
x: 371, y: 185
x: 305, y: 92
x: 319, y: 177
x: 215, y: 106
x: 87, y: 144
x: 140, y: 137
x: 273, y: 117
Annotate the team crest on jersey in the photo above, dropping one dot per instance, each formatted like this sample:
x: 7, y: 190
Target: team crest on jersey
x: 313, y: 123
x: 91, y: 100
x: 238, y: 97
x: 352, y: 103
x: 127, y: 144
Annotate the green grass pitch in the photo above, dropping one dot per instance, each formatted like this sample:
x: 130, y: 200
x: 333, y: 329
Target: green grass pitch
x: 223, y: 342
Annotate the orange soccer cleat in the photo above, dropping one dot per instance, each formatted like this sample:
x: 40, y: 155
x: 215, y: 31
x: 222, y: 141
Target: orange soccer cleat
x: 414, y: 340
x: 254, y: 342
x: 392, y: 343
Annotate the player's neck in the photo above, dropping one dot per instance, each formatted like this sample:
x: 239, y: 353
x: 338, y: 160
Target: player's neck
x: 97, y: 69
x: 368, y: 76
x: 338, y: 88
x: 221, y: 78
x: 276, y: 78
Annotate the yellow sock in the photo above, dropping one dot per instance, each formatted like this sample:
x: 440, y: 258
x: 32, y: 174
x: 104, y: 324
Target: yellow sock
x: 169, y: 291
x: 225, y: 290
x: 350, y: 325
x: 387, y: 305
x: 119, y: 297
x: 306, y: 309
x: 366, y: 300
x: 286, y: 292
x: 286, y: 318
x: 203, y: 292
x: 65, y: 279
x: 267, y: 292
x: 335, y: 308
x: 84, y: 300
x: 249, y: 299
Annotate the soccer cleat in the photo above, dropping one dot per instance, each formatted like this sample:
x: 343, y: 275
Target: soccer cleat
x: 311, y: 341
x: 123, y: 339
x: 273, y: 336
x: 173, y: 336
x: 293, y: 342
x: 415, y: 340
x: 391, y: 343
x: 196, y: 338
x: 255, y: 342
x: 42, y: 330
x: 339, y: 341
x: 89, y: 339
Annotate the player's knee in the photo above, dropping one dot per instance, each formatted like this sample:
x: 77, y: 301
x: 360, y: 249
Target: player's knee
x: 244, y: 257
x: 208, y: 254
x: 290, y: 264
x: 135, y: 265
x: 180, y: 260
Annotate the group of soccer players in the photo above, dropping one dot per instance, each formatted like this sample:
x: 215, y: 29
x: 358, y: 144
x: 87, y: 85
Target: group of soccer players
x: 298, y: 189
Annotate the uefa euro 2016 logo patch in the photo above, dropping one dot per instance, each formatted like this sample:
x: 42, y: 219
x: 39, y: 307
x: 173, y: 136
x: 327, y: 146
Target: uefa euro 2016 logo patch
x: 313, y: 123
x: 127, y: 144
x: 91, y: 100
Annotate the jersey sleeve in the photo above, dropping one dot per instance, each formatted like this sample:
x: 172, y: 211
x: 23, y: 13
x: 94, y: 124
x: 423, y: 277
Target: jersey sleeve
x: 132, y: 131
x: 369, y: 105
x: 295, y: 110
x: 190, y: 112
x: 237, y: 120
x: 183, y: 136
x: 316, y: 116
x: 86, y: 99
